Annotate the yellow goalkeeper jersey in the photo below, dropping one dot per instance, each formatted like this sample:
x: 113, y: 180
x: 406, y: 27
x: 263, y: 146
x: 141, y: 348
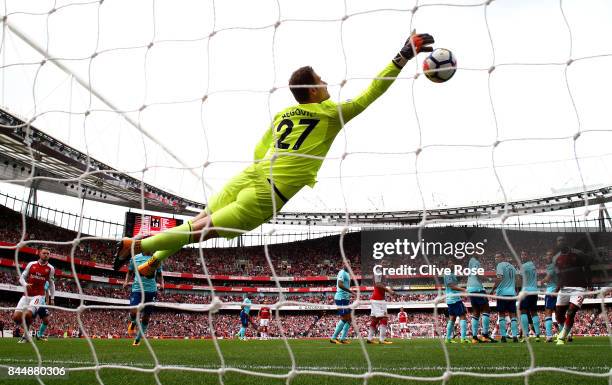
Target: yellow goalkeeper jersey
x: 306, y: 130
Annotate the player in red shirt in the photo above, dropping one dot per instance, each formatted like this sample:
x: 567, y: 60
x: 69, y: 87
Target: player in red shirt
x: 264, y: 316
x: 33, y: 279
x: 402, y: 318
x: 379, y: 311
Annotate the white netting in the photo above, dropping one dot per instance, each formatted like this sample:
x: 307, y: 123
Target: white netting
x: 107, y: 97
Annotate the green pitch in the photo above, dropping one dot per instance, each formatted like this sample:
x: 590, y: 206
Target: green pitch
x: 422, y: 358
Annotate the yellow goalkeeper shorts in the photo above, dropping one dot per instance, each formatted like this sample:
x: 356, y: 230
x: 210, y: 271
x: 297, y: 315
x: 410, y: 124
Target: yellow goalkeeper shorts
x: 245, y: 202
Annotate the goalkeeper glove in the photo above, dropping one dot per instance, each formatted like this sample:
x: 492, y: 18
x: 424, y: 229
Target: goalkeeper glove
x: 414, y: 45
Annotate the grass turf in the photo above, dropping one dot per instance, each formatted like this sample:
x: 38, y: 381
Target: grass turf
x: 422, y: 358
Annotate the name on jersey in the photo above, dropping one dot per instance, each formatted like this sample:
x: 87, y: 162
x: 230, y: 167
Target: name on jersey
x: 298, y: 112
x: 426, y: 270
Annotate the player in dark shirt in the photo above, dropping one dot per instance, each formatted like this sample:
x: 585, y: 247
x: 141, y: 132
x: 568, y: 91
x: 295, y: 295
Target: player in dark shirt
x: 572, y: 268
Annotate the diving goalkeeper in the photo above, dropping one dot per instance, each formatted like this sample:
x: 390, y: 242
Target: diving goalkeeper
x: 287, y: 158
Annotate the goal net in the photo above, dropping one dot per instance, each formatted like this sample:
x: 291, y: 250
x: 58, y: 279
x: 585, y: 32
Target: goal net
x: 177, y: 95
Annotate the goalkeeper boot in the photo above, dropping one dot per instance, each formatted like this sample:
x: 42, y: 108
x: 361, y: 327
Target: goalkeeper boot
x: 374, y: 342
x: 148, y: 268
x: 123, y: 251
x: 386, y: 342
x: 334, y: 341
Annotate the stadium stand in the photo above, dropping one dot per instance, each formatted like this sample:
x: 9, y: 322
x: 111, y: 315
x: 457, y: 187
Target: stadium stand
x: 307, y: 268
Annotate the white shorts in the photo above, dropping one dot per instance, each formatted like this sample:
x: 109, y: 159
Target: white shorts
x: 379, y: 309
x: 569, y: 295
x: 402, y: 325
x: 30, y: 303
x: 264, y: 322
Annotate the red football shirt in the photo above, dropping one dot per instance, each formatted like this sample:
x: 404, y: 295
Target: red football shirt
x: 379, y: 292
x: 37, y: 275
x: 403, y: 317
x: 264, y: 313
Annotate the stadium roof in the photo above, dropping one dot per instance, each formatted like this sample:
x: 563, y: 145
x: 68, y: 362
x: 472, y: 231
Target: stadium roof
x: 60, y: 168
x: 485, y: 211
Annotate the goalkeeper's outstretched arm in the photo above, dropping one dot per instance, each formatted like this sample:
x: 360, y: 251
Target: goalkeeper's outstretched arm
x: 416, y: 43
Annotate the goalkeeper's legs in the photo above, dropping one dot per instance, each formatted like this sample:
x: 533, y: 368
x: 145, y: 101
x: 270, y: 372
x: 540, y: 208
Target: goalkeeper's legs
x: 169, y: 241
x: 242, y: 205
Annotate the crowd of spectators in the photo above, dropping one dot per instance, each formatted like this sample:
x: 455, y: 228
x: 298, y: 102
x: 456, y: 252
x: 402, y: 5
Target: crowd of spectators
x: 317, y: 257
x: 305, y: 258
x: 165, y: 323
x: 312, y: 257
x: 202, y: 297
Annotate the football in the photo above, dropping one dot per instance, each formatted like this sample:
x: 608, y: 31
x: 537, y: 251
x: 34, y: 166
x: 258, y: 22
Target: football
x: 440, y: 65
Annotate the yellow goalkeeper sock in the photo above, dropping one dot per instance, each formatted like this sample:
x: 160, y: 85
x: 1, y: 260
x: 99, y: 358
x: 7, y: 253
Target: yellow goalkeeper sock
x: 170, y: 240
x: 160, y: 255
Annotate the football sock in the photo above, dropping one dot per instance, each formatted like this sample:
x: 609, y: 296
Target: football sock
x: 143, y: 329
x: 463, y: 326
x: 339, y: 328
x: 160, y: 255
x: 514, y: 327
x: 449, y: 330
x: 502, y: 326
x: 567, y: 328
x: 41, y: 330
x: 525, y: 325
x: 548, y: 324
x: 475, y: 321
x: 536, y: 324
x: 168, y: 240
x: 383, y: 332
x: 345, y: 330
x: 485, y: 324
